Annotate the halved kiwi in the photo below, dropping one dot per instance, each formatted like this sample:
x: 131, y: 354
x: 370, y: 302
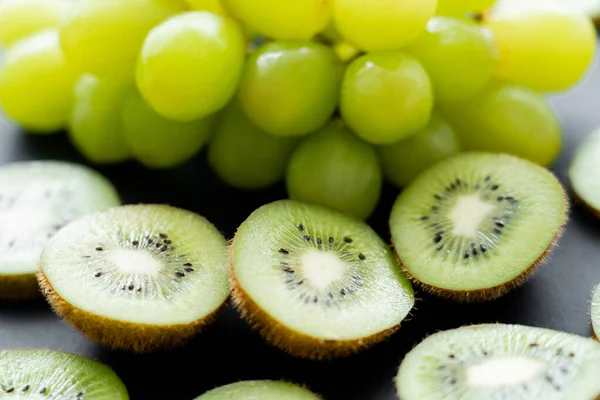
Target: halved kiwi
x: 474, y: 226
x: 261, y: 389
x: 596, y: 312
x: 316, y: 282
x: 137, y: 277
x: 584, y: 172
x: 50, y: 374
x: 37, y: 198
x: 497, y: 361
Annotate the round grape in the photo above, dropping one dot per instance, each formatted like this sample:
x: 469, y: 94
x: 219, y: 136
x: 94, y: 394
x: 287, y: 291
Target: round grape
x: 290, y: 19
x: 36, y: 83
x: 291, y: 88
x: 104, y: 37
x: 22, y: 18
x: 404, y: 160
x: 383, y: 24
x: 157, y: 142
x: 505, y: 118
x: 245, y: 156
x: 457, y: 56
x: 95, y: 125
x: 546, y: 50
x: 386, y: 96
x: 336, y: 169
x: 190, y: 65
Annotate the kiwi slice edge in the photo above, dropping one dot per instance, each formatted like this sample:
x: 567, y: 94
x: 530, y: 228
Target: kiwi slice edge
x: 595, y: 313
x: 262, y: 389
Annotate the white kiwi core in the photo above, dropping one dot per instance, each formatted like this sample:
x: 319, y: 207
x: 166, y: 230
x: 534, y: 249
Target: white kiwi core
x: 505, y: 371
x: 468, y: 214
x: 322, y: 268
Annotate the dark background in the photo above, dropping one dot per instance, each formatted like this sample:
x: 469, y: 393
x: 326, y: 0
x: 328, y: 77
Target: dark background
x: 558, y: 296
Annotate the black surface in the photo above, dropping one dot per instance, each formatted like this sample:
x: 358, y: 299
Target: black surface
x: 557, y: 297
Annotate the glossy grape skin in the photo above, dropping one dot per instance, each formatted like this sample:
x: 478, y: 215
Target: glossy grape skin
x: 457, y: 56
x: 510, y: 119
x: 27, y: 95
x: 284, y: 20
x: 336, y: 169
x: 95, y: 125
x: 403, y: 161
x: 105, y: 37
x: 291, y: 88
x: 546, y: 50
x: 383, y: 24
x: 243, y: 155
x: 22, y: 18
x: 461, y: 7
x: 386, y: 97
x: 190, y: 65
x: 157, y: 142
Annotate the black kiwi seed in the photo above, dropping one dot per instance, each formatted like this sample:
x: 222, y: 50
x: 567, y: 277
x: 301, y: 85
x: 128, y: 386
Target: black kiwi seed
x: 361, y: 256
x: 187, y: 264
x: 98, y: 274
x: 306, y: 237
x: 499, y: 224
x: 180, y: 274
x: 150, y: 241
x: 26, y: 388
x: 98, y: 248
x: 284, y: 251
x: 343, y: 292
x: 189, y: 269
x: 494, y: 187
x: 163, y: 235
x: 163, y: 248
x: 86, y: 256
x: 43, y: 390
x: 131, y: 287
x: 533, y: 345
x: 300, y: 282
x: 330, y: 240
x: 319, y: 241
x: 167, y: 241
x: 300, y: 227
x: 347, y: 239
x: 10, y: 389
x: 135, y: 243
x: 158, y: 244
x: 437, y: 238
x: 451, y: 356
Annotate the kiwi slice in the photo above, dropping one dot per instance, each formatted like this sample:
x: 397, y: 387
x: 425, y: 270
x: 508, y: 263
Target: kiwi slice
x: 137, y: 277
x: 475, y: 225
x: 50, y: 374
x: 584, y: 172
x: 497, y: 361
x: 263, y: 390
x: 38, y: 198
x: 316, y: 282
x: 596, y: 312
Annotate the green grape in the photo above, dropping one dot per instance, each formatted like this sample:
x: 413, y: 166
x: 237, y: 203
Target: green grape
x: 22, y: 18
x: 36, y: 83
x: 95, y: 127
x: 278, y: 19
x: 404, y: 160
x: 157, y: 142
x: 505, y: 118
x: 457, y: 57
x: 461, y: 7
x: 243, y: 155
x: 191, y: 65
x: 336, y: 169
x: 386, y: 97
x: 291, y: 88
x: 544, y: 49
x: 105, y: 36
x: 374, y: 25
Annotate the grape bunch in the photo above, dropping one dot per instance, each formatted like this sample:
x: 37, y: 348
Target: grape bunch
x: 334, y: 96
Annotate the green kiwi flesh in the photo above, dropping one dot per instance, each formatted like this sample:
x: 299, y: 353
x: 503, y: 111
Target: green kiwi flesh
x: 56, y: 375
x: 596, y: 312
x: 316, y: 282
x: 497, y: 361
x: 584, y: 172
x: 262, y: 389
x: 38, y: 198
x: 137, y: 277
x: 476, y: 225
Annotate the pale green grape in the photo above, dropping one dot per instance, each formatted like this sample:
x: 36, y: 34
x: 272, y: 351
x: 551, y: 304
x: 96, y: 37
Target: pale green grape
x: 374, y: 25
x: 157, y: 142
x: 245, y: 156
x: 457, y: 57
x: 191, y: 64
x: 95, y: 127
x: 278, y: 19
x: 336, y: 169
x: 510, y: 119
x: 544, y: 49
x: 36, y: 83
x: 21, y: 18
x: 404, y: 160
x: 291, y: 88
x: 386, y: 96
x: 105, y: 36
x: 461, y: 7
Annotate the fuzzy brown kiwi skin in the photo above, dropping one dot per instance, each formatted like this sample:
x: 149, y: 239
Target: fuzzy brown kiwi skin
x: 122, y: 335
x: 487, y: 294
x: 295, y: 343
x: 20, y: 287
